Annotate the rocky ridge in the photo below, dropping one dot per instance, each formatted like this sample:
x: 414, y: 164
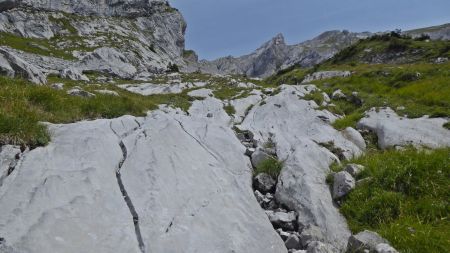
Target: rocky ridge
x: 276, y: 55
x: 126, y: 39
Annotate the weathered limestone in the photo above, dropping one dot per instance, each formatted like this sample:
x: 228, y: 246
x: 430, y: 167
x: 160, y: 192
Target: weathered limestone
x: 393, y: 130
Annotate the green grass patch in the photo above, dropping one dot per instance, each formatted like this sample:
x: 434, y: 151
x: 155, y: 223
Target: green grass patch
x: 24, y: 105
x: 407, y: 200
x: 229, y: 109
x: 270, y: 166
x: 348, y: 121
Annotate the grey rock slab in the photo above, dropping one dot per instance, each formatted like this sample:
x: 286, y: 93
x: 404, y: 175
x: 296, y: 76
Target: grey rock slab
x: 203, y: 93
x: 298, y: 132
x: 65, y: 198
x: 191, y: 186
x: 180, y: 174
x: 147, y: 89
x: 343, y: 183
x: 243, y: 105
x: 365, y: 240
x: 393, y: 130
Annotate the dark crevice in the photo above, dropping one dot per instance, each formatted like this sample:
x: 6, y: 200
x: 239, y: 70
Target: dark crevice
x: 126, y: 197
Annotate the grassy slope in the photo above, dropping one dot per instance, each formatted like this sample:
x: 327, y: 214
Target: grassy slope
x: 416, y: 84
x: 24, y: 105
x: 407, y: 200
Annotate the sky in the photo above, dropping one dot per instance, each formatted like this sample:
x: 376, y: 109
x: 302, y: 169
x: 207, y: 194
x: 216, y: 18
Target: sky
x: 218, y: 28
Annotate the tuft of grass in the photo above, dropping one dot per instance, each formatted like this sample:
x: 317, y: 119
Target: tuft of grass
x: 229, y: 109
x: 316, y: 96
x: 348, y: 121
x: 447, y: 125
x: 407, y: 200
x: 270, y: 166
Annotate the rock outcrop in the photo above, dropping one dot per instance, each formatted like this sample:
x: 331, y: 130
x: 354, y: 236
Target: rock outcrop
x: 164, y: 183
x: 294, y: 125
x: 143, y: 36
x: 393, y: 130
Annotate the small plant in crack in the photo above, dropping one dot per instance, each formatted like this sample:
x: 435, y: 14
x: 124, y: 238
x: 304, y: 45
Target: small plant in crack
x: 271, y: 166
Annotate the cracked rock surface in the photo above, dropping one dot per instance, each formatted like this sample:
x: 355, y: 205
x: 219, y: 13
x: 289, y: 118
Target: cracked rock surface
x: 185, y: 186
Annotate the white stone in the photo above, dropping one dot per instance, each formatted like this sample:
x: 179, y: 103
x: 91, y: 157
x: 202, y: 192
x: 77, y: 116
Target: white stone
x: 297, y: 130
x: 343, y: 184
x: 393, y: 130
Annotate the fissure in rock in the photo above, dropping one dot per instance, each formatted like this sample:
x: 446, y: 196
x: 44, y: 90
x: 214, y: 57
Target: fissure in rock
x: 127, y: 198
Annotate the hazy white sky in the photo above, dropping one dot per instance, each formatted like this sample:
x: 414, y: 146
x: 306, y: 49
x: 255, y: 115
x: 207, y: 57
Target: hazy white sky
x: 234, y: 27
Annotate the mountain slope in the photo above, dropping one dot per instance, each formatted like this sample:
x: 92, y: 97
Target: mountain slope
x: 275, y: 55
x: 120, y: 38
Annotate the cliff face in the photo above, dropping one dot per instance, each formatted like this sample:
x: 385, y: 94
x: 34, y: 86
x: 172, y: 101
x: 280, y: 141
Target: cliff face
x: 146, y: 36
x: 276, y: 55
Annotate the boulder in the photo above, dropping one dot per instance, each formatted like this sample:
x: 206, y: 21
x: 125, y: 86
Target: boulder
x: 385, y: 248
x: 57, y: 86
x: 109, y: 61
x: 73, y: 73
x: 393, y: 130
x: 14, y: 66
x: 292, y: 242
x: 343, y: 183
x: 354, y: 169
x: 283, y: 220
x: 107, y: 92
x: 264, y: 183
x: 258, y: 157
x: 338, y: 94
x: 77, y: 91
x: 366, y: 240
x: 354, y: 136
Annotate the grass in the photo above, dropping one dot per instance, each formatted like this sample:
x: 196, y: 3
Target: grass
x: 407, y: 200
x: 35, y: 46
x: 270, y: 166
x: 24, y: 105
x: 229, y: 109
x: 411, y: 81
